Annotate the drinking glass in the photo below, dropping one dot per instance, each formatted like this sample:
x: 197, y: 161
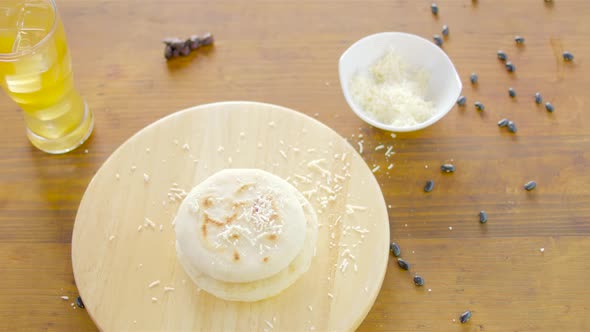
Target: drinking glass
x: 36, y: 72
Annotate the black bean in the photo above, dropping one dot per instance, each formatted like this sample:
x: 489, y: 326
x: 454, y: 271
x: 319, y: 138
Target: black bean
x: 445, y: 30
x: 207, y: 39
x: 567, y: 56
x: 519, y: 40
x: 418, y: 281
x: 512, y: 127
x: 428, y: 186
x: 403, y: 264
x: 483, y: 217
x: 479, y: 106
x: 461, y: 101
x: 185, y: 50
x: 437, y: 40
x: 170, y: 41
x: 434, y: 9
x: 511, y: 92
x: 510, y: 66
x: 466, y: 316
x: 79, y: 302
x: 503, y: 122
x: 473, y: 78
x: 538, y: 98
x: 530, y: 185
x: 447, y: 168
x: 395, y: 249
x: 194, y: 42
x: 168, y: 52
x: 502, y: 56
x: 549, y: 107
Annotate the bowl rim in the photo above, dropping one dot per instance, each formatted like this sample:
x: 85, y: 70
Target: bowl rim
x: 362, y: 114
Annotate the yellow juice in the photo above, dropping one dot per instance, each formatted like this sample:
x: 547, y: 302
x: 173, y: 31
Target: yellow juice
x: 36, y: 72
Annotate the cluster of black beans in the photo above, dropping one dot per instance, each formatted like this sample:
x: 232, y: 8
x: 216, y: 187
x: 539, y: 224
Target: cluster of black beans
x: 176, y: 47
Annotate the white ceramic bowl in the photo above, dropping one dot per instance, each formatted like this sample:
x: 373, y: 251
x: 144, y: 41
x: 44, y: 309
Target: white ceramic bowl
x: 444, y: 86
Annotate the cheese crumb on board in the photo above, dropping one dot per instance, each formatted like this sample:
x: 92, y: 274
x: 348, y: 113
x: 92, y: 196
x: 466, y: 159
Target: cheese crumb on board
x: 65, y: 298
x: 146, y: 177
x: 168, y: 289
x: 393, y: 92
x: 154, y: 284
x: 111, y: 238
x: 154, y: 299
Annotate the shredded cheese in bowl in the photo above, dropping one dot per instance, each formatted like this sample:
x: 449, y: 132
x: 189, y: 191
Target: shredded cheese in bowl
x: 393, y: 92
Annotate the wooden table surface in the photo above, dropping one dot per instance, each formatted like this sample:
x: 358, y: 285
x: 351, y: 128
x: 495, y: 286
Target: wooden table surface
x: 286, y: 52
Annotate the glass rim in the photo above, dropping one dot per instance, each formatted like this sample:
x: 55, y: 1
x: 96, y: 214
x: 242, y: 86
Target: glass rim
x: 15, y: 55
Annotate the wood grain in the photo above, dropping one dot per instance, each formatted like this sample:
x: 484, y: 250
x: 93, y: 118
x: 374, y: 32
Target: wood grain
x: 286, y: 53
x: 116, y: 253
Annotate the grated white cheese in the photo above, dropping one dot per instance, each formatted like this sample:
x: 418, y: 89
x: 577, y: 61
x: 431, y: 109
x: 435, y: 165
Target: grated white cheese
x: 111, y: 238
x: 65, y: 298
x: 186, y: 147
x: 269, y: 324
x: 360, y: 143
x: 154, y: 283
x: 393, y: 92
x: 542, y: 250
x: 375, y: 169
x: 117, y: 176
x: 330, y: 295
x: 154, y: 299
x: 379, y: 147
x: 283, y: 154
x: 168, y: 289
x: 390, y: 166
x: 146, y: 177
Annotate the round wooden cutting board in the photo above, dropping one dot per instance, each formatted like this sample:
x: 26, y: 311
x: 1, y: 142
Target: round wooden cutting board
x: 123, y: 239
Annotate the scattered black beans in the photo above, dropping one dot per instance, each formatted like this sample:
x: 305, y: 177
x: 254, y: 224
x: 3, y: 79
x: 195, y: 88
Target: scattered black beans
x: 79, y: 302
x: 549, y: 107
x: 447, y: 168
x: 483, y: 217
x: 567, y: 56
x: 466, y: 316
x: 512, y: 127
x: 538, y: 98
x: 438, y: 40
x: 510, y: 66
x: 177, y: 47
x: 479, y: 106
x: 395, y: 249
x: 445, y: 30
x: 511, y: 92
x: 461, y: 101
x: 530, y: 185
x: 428, y: 186
x: 403, y: 264
x: 503, y: 122
x: 418, y: 281
x: 519, y: 40
x: 434, y: 9
x: 473, y: 78
x: 502, y: 56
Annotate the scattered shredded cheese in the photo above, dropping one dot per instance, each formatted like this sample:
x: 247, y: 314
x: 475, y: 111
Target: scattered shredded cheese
x: 154, y: 283
x: 146, y: 177
x: 283, y: 154
x: 65, y: 298
x: 379, y: 147
x: 150, y: 223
